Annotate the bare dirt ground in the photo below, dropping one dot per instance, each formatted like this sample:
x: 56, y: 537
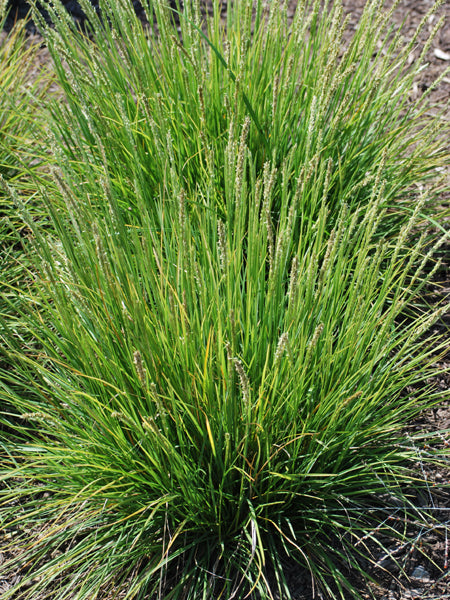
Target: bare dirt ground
x: 426, y: 575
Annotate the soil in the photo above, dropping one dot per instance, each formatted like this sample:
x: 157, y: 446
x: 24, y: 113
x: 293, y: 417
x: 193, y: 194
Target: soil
x: 426, y: 575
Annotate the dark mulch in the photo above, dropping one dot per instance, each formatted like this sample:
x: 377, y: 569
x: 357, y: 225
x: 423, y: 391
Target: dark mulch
x: 19, y: 9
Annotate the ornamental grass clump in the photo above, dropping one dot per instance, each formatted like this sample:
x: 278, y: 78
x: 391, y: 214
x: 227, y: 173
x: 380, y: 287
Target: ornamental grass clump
x: 211, y: 378
x: 214, y: 399
x: 23, y: 87
x: 311, y: 88
x: 24, y: 84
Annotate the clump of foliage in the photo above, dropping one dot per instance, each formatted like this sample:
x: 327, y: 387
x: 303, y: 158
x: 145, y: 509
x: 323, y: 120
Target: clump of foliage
x: 207, y: 403
x: 23, y: 90
x: 311, y: 96
x: 24, y: 86
x: 222, y: 338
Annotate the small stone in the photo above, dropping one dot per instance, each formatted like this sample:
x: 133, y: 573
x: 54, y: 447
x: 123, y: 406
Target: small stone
x: 441, y: 54
x: 420, y: 573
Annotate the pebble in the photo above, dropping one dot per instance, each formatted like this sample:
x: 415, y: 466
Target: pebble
x: 420, y: 573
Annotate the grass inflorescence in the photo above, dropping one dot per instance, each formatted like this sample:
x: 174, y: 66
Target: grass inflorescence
x: 222, y: 347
